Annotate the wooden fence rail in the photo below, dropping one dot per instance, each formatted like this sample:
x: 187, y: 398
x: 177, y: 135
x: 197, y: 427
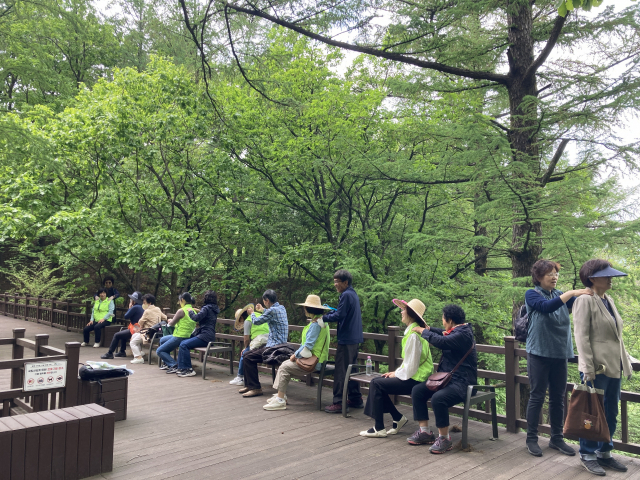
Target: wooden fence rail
x: 69, y: 316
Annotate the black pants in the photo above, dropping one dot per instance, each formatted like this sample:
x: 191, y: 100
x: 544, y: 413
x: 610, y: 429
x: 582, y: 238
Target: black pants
x: 123, y: 337
x: 455, y: 392
x: 345, y: 355
x: 250, y: 366
x: 552, y: 373
x: 378, y: 401
x: 97, y: 328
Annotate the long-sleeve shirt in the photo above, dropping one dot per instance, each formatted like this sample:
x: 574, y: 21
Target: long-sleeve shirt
x: 151, y: 316
x: 276, y: 317
x: 349, y: 318
x: 454, y: 346
x: 411, y: 360
x: 134, y: 313
x: 206, y: 318
x: 549, y: 332
x: 310, y: 340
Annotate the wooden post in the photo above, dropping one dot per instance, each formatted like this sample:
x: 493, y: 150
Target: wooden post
x: 53, y: 304
x: 87, y: 312
x: 624, y: 421
x: 15, y: 305
x: 38, y: 307
x: 66, y: 322
x: 17, y: 352
x: 38, y: 402
x: 392, y: 333
x: 511, y: 369
x: 26, y: 305
x: 72, y: 351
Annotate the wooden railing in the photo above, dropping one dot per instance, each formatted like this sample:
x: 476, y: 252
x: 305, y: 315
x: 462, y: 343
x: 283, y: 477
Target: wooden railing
x: 38, y: 400
x: 45, y: 311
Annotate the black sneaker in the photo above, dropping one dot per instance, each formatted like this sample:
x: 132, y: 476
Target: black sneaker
x: 359, y: 404
x: 190, y: 372
x: 533, y: 448
x: 562, y: 447
x: 164, y: 367
x: 613, y: 464
x: 421, y: 438
x: 107, y: 356
x: 121, y: 354
x: 593, y: 466
x: 172, y: 370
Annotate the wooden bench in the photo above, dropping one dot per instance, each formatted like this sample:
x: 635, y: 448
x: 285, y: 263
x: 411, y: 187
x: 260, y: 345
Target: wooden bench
x: 472, y: 399
x: 111, y: 393
x: 70, y: 443
x: 215, y: 347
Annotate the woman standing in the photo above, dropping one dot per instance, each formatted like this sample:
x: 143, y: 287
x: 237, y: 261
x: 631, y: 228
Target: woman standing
x: 549, y: 346
x: 603, y: 358
x: 416, y: 367
x: 201, y: 336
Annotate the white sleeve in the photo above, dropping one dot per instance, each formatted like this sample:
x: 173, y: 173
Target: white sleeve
x: 411, y: 362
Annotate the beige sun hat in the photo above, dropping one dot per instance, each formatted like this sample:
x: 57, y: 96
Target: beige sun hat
x: 239, y: 325
x: 415, y: 305
x: 313, y: 301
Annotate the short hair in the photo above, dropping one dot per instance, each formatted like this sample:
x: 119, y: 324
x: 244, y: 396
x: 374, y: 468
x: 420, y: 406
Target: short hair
x: 186, y: 296
x: 415, y: 317
x: 108, y: 277
x: 210, y: 298
x: 270, y: 295
x: 244, y: 315
x: 315, y: 311
x: 541, y: 268
x: 343, y: 275
x: 590, y: 267
x: 100, y: 290
x: 454, y: 313
x: 150, y: 299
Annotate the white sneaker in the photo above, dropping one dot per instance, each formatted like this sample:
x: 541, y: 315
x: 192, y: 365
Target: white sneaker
x: 376, y: 433
x: 278, y: 404
x: 96, y: 345
x: 237, y: 381
x: 398, y: 425
x: 83, y: 344
x: 275, y: 398
x: 137, y: 360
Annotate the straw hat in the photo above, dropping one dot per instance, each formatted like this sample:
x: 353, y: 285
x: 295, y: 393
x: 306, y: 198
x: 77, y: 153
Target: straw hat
x: 415, y: 305
x: 240, y: 322
x: 313, y: 301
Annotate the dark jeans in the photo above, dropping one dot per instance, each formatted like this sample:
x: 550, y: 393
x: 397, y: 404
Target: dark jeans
x: 97, y: 329
x: 123, y: 337
x: 241, y: 362
x: 454, y: 393
x: 378, y: 401
x: 611, y: 387
x: 251, y: 361
x: 552, y: 373
x: 345, y: 355
x: 184, y: 354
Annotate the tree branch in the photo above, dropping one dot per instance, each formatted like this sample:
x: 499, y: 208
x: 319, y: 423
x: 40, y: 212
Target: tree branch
x: 554, y: 161
x: 546, y: 51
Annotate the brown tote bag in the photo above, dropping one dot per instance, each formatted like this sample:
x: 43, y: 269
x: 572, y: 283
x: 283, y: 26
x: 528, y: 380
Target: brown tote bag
x: 585, y: 418
x: 309, y: 364
x: 439, y: 380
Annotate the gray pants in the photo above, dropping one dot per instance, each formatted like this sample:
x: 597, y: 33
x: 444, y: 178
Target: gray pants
x: 285, y: 371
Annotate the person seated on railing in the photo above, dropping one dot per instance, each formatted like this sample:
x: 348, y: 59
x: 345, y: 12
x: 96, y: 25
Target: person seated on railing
x: 182, y: 328
x: 101, y: 316
x: 314, y: 347
x: 416, y: 366
x: 112, y: 293
x: 455, y: 340
x: 206, y: 318
x: 549, y: 346
x: 602, y: 357
x: 253, y: 338
x: 152, y: 315
x: 133, y: 315
x: 275, y: 315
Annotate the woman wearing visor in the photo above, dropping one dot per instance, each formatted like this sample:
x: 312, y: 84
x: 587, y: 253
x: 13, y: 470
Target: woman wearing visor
x: 603, y: 359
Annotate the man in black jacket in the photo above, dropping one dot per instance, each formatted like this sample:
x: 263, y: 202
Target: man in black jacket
x: 349, y: 320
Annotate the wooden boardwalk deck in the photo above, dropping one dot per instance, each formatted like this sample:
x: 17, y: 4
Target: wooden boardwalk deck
x: 190, y: 428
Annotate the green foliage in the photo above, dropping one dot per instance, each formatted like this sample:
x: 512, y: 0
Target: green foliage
x: 37, y: 277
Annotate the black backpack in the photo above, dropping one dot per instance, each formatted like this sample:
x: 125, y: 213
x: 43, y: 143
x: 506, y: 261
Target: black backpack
x: 521, y: 325
x: 96, y: 374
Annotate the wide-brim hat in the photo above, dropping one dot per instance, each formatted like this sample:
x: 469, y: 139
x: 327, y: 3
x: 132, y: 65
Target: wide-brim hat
x: 240, y: 322
x: 415, y: 305
x: 136, y: 297
x: 313, y: 301
x: 608, y: 272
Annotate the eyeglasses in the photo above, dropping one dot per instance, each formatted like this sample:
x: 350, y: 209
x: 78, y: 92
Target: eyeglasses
x: 553, y: 275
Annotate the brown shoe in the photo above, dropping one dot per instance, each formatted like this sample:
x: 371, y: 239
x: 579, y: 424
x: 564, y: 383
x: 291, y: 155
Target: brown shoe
x: 244, y: 390
x: 253, y: 393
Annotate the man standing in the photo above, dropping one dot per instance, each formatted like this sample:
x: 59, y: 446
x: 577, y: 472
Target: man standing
x: 276, y: 316
x: 349, y: 319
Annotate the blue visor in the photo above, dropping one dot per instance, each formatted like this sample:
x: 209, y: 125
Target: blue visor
x: 608, y: 272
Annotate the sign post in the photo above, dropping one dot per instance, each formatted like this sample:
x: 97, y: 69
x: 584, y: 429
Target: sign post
x: 45, y: 375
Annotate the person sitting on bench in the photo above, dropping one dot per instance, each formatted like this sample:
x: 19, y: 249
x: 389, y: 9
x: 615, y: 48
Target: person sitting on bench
x: 314, y: 346
x: 133, y: 315
x: 458, y: 347
x: 183, y: 326
x: 152, y: 315
x: 275, y: 315
x: 100, y: 317
x: 416, y: 367
x: 251, y: 334
x: 201, y: 336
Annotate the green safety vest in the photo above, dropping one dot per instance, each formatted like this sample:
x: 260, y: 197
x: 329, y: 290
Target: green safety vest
x: 185, y: 325
x: 321, y: 347
x: 257, y: 329
x: 101, y: 310
x: 426, y: 363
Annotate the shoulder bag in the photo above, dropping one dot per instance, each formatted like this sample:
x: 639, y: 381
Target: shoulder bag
x: 309, y: 364
x: 439, y: 380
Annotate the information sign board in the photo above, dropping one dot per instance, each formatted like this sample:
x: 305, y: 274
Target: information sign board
x: 44, y: 375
